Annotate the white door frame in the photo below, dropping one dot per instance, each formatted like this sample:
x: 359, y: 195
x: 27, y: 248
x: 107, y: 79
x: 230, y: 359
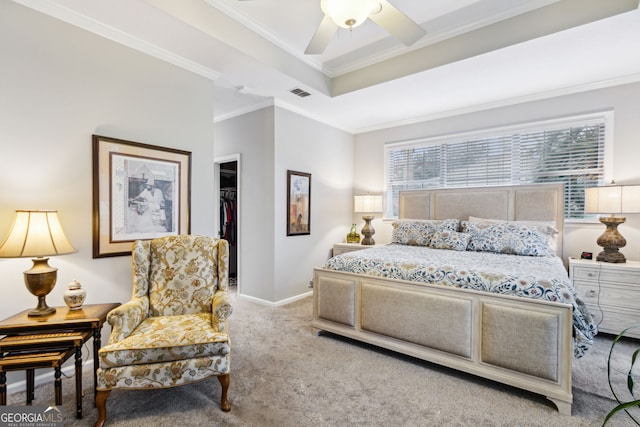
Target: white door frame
x: 216, y: 167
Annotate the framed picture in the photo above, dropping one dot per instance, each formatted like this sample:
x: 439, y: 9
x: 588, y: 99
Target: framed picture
x: 298, y: 203
x: 140, y: 192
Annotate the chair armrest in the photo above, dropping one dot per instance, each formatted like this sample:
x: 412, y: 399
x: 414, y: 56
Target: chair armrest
x: 221, y: 310
x: 125, y: 318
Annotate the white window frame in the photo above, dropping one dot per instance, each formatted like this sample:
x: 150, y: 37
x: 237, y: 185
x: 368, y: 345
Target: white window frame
x: 552, y: 124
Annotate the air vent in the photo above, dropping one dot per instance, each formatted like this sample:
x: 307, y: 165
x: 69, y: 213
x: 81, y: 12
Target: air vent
x: 301, y: 93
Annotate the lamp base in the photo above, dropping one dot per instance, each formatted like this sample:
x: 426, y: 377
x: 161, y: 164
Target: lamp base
x: 40, y: 280
x: 368, y: 231
x: 42, y: 309
x: 611, y: 255
x: 611, y: 241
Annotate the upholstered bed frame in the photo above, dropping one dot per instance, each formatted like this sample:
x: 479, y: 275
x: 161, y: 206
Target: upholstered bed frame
x: 457, y: 328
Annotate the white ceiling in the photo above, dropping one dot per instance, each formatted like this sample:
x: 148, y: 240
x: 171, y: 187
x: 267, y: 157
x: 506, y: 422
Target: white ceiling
x: 477, y: 53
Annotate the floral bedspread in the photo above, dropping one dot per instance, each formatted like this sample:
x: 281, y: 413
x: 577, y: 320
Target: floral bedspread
x: 542, y: 278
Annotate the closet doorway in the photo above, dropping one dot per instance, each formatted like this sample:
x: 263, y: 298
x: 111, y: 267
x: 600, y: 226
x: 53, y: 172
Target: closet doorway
x: 227, y: 171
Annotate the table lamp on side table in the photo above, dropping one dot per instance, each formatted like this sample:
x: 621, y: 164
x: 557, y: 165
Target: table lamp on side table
x: 612, y: 199
x: 37, y: 234
x: 367, y: 204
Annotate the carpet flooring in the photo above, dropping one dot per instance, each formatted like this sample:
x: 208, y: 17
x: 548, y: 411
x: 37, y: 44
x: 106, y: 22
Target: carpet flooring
x: 285, y: 375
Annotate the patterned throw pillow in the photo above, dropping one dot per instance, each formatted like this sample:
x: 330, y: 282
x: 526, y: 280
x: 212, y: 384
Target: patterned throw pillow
x: 553, y: 240
x: 509, y: 238
x: 418, y: 232
x: 453, y: 240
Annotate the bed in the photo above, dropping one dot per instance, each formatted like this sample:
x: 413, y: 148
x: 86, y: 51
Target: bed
x: 460, y: 308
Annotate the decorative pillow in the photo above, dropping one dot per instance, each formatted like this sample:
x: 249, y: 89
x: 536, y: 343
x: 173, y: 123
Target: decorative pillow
x: 446, y: 239
x: 553, y: 240
x: 509, y: 238
x: 418, y: 232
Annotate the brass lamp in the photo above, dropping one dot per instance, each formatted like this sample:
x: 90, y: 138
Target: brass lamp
x: 367, y: 204
x: 38, y: 234
x: 612, y: 199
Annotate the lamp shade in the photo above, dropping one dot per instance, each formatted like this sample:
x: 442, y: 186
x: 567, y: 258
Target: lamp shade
x: 613, y: 199
x: 368, y: 203
x: 35, y: 233
x: 348, y: 14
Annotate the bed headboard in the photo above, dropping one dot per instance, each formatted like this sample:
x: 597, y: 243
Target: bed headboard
x: 535, y: 202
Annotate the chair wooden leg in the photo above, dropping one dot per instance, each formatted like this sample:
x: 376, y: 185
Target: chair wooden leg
x: 225, y: 380
x: 101, y: 404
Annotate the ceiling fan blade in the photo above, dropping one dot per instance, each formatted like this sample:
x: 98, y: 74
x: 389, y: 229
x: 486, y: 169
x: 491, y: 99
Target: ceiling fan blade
x: 397, y: 23
x: 322, y: 36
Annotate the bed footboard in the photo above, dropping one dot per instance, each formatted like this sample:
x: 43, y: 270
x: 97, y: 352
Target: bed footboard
x: 517, y: 341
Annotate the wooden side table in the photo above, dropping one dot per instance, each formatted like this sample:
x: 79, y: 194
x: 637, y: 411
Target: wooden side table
x: 65, y: 329
x: 25, y: 352
x: 28, y: 361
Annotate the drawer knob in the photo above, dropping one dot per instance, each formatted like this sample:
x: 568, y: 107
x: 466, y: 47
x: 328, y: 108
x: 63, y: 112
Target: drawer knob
x: 591, y: 293
x: 590, y: 274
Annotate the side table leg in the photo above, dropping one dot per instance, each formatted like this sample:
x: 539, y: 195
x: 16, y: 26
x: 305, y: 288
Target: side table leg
x: 96, y: 361
x: 58, y: 386
x: 3, y: 388
x: 79, y: 383
x: 30, y: 385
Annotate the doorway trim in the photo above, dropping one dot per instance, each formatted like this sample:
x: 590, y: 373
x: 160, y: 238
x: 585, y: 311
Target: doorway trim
x: 216, y: 168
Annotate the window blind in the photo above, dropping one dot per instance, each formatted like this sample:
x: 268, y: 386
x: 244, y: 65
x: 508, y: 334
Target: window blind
x: 570, y: 152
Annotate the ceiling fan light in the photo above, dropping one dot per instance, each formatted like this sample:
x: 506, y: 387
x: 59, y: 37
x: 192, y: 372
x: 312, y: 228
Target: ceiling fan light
x: 348, y: 13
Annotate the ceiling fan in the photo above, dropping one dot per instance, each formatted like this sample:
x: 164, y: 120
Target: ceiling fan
x: 351, y: 13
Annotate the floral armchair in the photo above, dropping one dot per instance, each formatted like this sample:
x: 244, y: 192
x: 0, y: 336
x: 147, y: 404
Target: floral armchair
x: 174, y: 329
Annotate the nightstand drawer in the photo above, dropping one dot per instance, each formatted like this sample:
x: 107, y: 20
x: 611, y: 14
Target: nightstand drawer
x: 585, y: 273
x: 587, y: 291
x: 616, y: 296
x: 614, y: 322
x: 620, y: 296
x: 629, y: 278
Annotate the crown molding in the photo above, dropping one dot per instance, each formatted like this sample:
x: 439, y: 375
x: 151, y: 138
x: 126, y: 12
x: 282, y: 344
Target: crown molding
x: 264, y: 32
x: 244, y: 110
x: 87, y: 23
x: 632, y: 78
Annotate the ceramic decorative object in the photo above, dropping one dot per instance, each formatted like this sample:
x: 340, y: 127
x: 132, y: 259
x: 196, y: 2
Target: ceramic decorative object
x: 74, y: 296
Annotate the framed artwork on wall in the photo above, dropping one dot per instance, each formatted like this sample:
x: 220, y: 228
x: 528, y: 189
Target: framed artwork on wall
x: 140, y: 192
x: 298, y: 203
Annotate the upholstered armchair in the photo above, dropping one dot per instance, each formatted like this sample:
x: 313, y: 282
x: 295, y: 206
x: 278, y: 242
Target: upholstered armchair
x: 174, y: 329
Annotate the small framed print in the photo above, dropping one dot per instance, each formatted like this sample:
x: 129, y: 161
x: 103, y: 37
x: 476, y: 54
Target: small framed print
x: 140, y: 192
x: 298, y: 203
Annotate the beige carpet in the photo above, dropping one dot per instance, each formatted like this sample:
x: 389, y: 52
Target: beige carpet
x: 284, y: 375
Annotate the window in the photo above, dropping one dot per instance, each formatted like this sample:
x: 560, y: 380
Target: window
x: 570, y: 151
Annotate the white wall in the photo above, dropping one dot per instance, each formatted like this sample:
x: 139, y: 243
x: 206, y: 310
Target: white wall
x: 305, y: 145
x: 252, y: 136
x: 622, y: 100
x: 275, y: 267
x: 59, y: 85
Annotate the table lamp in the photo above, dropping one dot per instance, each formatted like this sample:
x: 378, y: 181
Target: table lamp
x: 367, y: 204
x: 37, y: 234
x: 612, y: 199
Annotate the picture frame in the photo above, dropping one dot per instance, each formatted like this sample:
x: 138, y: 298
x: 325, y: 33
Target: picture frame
x: 140, y: 192
x: 298, y: 203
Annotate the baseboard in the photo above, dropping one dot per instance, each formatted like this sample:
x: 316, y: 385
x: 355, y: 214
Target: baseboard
x: 277, y: 303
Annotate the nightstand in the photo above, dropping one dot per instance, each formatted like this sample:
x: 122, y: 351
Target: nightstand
x: 611, y: 291
x: 343, y: 248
